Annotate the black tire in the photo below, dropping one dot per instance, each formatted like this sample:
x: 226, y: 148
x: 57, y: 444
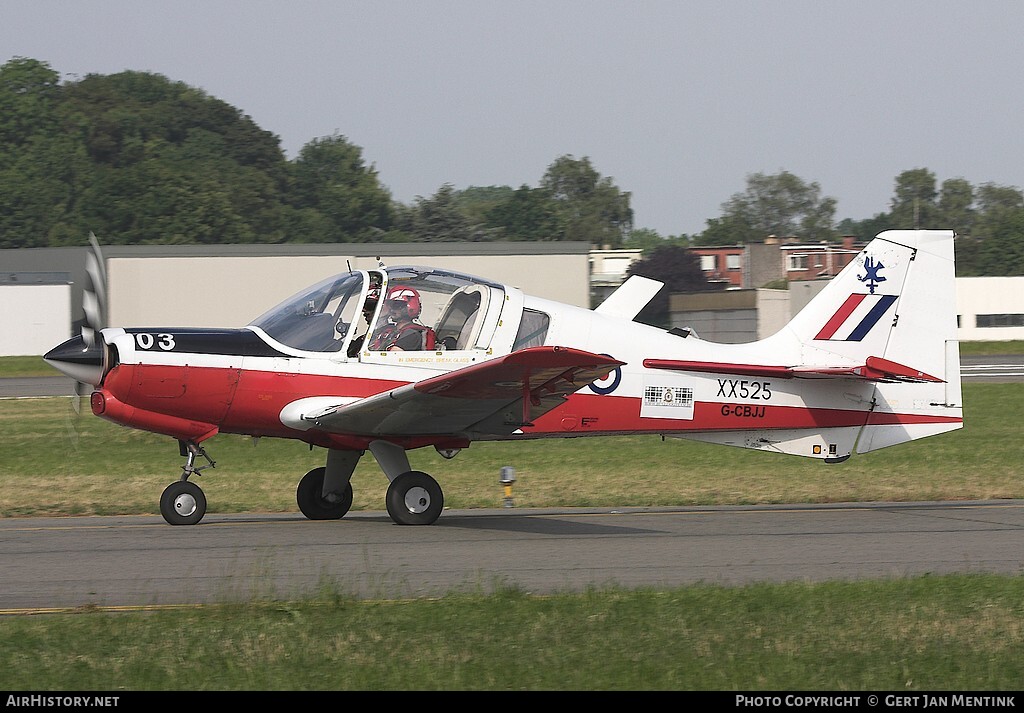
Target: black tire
x: 309, y: 495
x: 183, y: 503
x: 414, y: 498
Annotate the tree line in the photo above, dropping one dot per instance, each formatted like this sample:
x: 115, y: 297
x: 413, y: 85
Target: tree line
x: 137, y: 158
x: 140, y: 159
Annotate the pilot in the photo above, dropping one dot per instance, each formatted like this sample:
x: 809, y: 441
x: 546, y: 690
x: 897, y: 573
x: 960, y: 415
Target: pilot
x: 402, y: 332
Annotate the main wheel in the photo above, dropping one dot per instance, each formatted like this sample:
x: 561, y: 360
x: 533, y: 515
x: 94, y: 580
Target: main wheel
x: 414, y: 498
x: 183, y: 503
x: 313, y: 504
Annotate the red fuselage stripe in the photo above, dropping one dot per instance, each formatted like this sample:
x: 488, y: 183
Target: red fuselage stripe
x: 250, y: 402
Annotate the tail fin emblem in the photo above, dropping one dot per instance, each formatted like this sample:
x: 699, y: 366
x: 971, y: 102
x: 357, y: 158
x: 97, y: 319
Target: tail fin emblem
x: 872, y: 277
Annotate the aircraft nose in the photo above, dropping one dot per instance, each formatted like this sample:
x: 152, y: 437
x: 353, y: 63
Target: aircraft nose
x: 79, y: 361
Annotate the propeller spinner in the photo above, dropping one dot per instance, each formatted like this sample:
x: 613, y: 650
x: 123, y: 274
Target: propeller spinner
x: 82, y: 357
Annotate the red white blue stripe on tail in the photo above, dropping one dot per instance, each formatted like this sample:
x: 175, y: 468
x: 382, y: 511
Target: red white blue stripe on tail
x: 856, y: 317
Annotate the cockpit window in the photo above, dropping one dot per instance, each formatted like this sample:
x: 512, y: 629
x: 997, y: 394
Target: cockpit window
x: 532, y: 330
x: 449, y: 310
x: 316, y: 319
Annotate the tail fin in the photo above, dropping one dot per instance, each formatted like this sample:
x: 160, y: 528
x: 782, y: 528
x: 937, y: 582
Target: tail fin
x: 879, y: 342
x: 895, y: 302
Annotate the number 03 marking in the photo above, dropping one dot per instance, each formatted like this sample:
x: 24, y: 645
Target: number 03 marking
x: 146, y: 341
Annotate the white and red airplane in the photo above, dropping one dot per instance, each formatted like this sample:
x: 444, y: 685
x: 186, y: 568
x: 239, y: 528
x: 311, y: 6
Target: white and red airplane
x: 872, y: 361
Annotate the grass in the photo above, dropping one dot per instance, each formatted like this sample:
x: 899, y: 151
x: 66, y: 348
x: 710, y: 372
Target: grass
x: 950, y: 633
x: 11, y: 366
x: 991, y: 348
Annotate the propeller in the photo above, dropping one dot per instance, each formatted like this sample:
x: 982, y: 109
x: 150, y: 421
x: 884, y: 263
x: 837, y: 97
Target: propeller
x: 82, y: 357
x: 94, y: 293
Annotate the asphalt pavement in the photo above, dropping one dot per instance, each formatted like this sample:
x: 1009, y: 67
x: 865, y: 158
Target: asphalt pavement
x: 140, y: 561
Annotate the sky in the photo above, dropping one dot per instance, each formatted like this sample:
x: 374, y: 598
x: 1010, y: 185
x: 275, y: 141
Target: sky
x: 676, y: 101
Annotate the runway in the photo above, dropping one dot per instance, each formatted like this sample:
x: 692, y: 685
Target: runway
x: 140, y: 561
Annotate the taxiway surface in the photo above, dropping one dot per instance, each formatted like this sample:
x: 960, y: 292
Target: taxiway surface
x: 141, y: 561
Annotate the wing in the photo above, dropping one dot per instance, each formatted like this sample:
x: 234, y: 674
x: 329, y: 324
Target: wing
x: 493, y: 398
x: 873, y: 369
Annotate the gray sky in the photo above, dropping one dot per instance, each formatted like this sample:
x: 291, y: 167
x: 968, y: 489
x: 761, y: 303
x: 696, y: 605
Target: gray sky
x: 676, y: 100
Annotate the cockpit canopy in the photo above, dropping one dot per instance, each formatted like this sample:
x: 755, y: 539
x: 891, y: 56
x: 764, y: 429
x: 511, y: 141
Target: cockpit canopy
x: 336, y: 314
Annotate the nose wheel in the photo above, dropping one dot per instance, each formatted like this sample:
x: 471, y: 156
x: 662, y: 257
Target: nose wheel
x: 183, y: 503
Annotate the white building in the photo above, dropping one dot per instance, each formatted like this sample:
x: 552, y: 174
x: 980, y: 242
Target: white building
x: 990, y: 308
x: 35, y: 312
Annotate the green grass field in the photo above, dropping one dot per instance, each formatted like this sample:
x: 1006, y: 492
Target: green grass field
x: 953, y: 633
x: 948, y: 633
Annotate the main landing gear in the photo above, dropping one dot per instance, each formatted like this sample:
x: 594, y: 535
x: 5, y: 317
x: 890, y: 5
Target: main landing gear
x: 325, y: 493
x: 413, y: 498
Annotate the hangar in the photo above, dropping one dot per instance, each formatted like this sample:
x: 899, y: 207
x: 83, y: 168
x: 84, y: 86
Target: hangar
x: 230, y: 285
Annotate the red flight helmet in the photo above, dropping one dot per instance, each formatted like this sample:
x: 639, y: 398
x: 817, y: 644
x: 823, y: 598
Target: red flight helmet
x: 407, y: 295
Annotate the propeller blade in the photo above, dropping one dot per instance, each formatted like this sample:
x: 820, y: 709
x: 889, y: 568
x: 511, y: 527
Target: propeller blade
x: 94, y: 293
x: 76, y: 400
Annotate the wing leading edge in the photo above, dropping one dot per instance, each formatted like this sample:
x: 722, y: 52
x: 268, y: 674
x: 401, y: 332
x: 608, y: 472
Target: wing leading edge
x: 495, y: 397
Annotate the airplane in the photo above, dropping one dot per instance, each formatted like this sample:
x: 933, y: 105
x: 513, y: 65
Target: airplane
x: 870, y: 362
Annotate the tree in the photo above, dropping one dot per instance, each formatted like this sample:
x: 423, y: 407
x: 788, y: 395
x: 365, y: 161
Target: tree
x: 1002, y: 248
x: 140, y: 159
x: 996, y: 246
x: 993, y: 199
x: 527, y: 214
x: 865, y: 230
x: 29, y: 95
x: 955, y: 206
x: 728, y: 230
x: 39, y: 163
x: 913, y: 203
x: 330, y: 177
x: 676, y: 267
x: 589, y: 207
x: 437, y: 218
x: 780, y: 204
x: 476, y: 202
x: 649, y: 240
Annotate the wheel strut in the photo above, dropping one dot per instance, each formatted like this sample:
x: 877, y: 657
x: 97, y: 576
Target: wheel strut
x: 191, y: 449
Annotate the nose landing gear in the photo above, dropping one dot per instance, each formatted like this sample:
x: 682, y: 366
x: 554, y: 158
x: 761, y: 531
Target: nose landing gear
x: 183, y: 502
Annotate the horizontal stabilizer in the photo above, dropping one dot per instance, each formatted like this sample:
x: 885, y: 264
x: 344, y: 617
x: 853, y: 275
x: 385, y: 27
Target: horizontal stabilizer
x: 632, y: 296
x: 874, y: 369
